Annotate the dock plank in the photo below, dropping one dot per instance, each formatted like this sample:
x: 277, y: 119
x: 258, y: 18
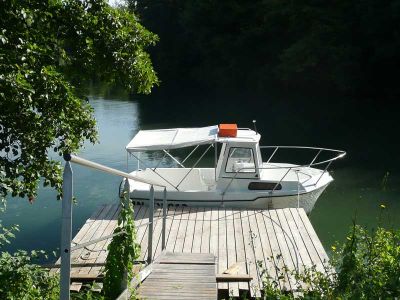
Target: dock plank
x: 231, y: 252
x: 240, y: 248
x: 316, y: 250
x: 145, y: 240
x: 265, y: 235
x: 205, y: 236
x: 276, y: 255
x: 186, y: 278
x: 300, y: 248
x: 188, y: 240
x: 281, y: 237
x: 157, y: 231
x: 250, y: 253
x: 95, y: 231
x: 198, y: 231
x: 168, y: 224
x: 99, y: 249
x: 222, y: 252
x: 172, y: 236
x: 86, y: 226
x: 180, y: 239
x: 142, y: 219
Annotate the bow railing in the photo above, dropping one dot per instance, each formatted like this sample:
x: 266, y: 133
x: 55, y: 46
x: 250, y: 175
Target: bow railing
x: 336, y: 154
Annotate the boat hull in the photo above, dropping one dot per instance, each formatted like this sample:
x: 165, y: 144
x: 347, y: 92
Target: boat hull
x: 305, y: 200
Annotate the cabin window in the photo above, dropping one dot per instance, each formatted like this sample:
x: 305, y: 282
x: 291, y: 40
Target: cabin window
x: 262, y: 186
x: 240, y: 160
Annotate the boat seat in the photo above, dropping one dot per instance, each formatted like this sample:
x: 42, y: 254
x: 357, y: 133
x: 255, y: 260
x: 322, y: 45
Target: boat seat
x: 208, y: 179
x: 243, y: 167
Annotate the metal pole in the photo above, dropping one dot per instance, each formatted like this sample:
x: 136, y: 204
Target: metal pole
x: 124, y: 282
x: 126, y: 192
x: 177, y: 161
x: 276, y: 185
x: 155, y: 172
x: 215, y: 160
x: 66, y: 228
x: 164, y: 218
x: 195, y: 164
x: 326, y: 168
x: 315, y: 157
x: 273, y: 153
x: 151, y: 220
x: 183, y: 161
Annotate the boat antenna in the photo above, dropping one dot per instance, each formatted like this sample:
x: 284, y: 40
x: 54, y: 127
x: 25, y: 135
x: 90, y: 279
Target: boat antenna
x: 255, y: 127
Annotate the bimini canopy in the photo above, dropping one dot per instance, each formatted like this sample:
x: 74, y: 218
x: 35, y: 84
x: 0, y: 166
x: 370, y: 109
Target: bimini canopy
x: 164, y: 139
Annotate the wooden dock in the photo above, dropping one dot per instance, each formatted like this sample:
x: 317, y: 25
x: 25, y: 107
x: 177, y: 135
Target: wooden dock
x: 181, y: 275
x: 249, y: 242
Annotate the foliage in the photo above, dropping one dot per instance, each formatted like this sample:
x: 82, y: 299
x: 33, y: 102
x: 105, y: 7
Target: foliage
x: 87, y: 293
x: 49, y: 50
x: 367, y: 266
x: 122, y: 252
x: 6, y: 234
x: 342, y: 45
x: 20, y: 278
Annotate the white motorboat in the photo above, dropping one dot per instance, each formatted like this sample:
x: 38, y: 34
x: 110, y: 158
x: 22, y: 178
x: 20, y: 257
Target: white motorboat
x: 238, y: 177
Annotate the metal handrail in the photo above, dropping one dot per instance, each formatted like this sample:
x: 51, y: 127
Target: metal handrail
x: 66, y: 224
x: 87, y: 163
x: 341, y: 153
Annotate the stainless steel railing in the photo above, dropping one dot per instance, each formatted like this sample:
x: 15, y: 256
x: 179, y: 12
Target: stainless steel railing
x: 66, y: 225
x: 337, y: 155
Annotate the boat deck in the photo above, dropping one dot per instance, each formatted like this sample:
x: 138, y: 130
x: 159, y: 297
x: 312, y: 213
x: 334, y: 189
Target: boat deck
x: 249, y: 242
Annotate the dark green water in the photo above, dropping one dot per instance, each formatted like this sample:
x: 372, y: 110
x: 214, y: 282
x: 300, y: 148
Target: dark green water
x: 356, y: 192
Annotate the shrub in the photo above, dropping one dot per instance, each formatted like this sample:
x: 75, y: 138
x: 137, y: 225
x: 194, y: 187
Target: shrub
x: 20, y: 278
x: 366, y: 266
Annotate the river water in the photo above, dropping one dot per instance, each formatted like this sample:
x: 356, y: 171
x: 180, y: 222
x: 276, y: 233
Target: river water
x: 357, y: 193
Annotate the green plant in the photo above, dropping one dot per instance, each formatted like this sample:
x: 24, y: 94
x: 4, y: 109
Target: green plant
x: 20, y: 278
x: 122, y: 252
x: 6, y: 234
x: 366, y: 266
x: 87, y: 293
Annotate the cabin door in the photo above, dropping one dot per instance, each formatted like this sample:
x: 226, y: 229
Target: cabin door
x: 240, y: 162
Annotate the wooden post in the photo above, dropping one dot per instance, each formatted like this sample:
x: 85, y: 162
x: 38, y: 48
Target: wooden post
x: 164, y: 224
x: 66, y: 225
x: 151, y: 226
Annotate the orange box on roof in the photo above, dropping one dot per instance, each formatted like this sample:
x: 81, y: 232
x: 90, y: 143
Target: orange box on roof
x: 227, y: 130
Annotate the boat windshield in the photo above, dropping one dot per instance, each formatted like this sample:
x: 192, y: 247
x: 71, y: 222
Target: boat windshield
x: 240, y: 160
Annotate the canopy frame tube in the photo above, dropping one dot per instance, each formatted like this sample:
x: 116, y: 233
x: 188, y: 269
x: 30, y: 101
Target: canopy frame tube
x: 195, y: 164
x: 154, y: 171
x: 177, y: 161
x: 166, y: 152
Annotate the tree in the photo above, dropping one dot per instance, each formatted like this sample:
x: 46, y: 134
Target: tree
x: 334, y: 46
x: 49, y: 50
